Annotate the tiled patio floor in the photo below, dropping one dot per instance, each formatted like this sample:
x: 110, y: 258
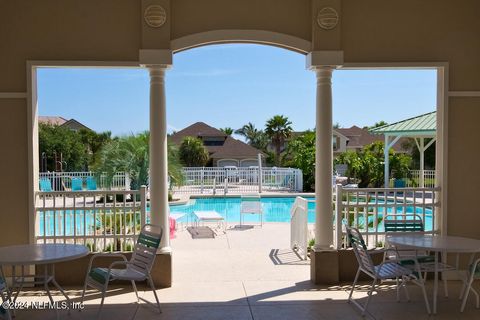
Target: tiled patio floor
x: 250, y: 274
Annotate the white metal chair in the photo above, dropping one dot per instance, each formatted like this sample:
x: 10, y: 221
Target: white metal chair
x: 408, y: 223
x: 473, y: 273
x: 251, y: 204
x: 4, y: 312
x: 137, y: 269
x: 387, y: 270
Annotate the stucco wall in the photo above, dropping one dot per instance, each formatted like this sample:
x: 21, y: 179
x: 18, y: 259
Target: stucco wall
x: 13, y: 160
x: 371, y: 31
x: 464, y: 155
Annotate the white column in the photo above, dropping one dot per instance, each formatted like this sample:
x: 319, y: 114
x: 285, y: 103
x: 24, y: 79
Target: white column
x: 422, y: 162
x: 323, y: 160
x: 159, y: 210
x: 386, y: 156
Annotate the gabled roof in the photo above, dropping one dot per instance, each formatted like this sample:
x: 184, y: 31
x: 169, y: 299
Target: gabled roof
x: 425, y: 124
x: 75, y: 125
x: 233, y: 148
x: 52, y: 120
x: 62, y: 122
x: 359, y: 137
x: 198, y: 129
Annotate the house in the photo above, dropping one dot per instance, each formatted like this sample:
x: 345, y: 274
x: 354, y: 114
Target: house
x: 355, y: 138
x: 71, y: 124
x: 223, y: 149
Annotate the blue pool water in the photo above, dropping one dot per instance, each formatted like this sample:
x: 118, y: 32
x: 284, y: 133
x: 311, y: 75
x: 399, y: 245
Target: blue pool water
x: 275, y: 210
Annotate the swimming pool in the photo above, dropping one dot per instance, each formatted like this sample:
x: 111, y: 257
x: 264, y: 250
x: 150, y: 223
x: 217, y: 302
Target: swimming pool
x: 275, y: 209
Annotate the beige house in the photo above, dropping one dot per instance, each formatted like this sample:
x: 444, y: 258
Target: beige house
x: 223, y: 149
x: 71, y: 124
x: 441, y: 35
x: 355, y: 138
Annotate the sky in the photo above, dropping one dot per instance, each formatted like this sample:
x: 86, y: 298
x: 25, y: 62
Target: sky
x: 229, y: 86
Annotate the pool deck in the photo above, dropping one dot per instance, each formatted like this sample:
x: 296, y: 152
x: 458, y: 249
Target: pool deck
x: 250, y: 274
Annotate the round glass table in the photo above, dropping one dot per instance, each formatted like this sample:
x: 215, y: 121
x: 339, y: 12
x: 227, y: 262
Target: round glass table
x: 38, y: 254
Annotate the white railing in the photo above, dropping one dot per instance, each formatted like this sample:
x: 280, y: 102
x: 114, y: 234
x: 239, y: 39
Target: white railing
x: 299, y: 226
x: 62, y: 181
x: 365, y: 208
x: 220, y: 180
x: 413, y: 178
x: 101, y: 220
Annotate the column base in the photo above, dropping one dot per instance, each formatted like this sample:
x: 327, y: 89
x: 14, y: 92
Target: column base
x: 324, y: 266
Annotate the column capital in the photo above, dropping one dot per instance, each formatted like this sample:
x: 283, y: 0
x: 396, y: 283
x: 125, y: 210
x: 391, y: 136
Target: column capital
x: 324, y: 59
x: 156, y: 58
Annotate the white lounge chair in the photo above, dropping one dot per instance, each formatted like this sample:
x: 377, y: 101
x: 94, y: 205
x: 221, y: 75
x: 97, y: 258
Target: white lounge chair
x: 137, y: 269
x: 210, y: 216
x: 251, y: 204
x: 385, y: 271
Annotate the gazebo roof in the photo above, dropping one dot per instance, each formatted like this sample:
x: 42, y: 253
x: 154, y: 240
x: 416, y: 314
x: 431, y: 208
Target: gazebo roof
x: 422, y: 125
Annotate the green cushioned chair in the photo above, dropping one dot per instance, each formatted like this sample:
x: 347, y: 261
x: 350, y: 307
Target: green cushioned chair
x: 408, y: 223
x: 390, y: 269
x: 137, y: 269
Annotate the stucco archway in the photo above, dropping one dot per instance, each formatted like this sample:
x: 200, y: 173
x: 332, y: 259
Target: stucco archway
x: 241, y: 36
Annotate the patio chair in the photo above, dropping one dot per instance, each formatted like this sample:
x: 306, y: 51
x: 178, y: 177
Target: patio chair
x: 91, y: 184
x: 77, y: 184
x: 3, y: 292
x: 473, y: 273
x: 137, y: 269
x: 45, y: 185
x: 251, y: 204
x: 387, y: 270
x: 412, y: 223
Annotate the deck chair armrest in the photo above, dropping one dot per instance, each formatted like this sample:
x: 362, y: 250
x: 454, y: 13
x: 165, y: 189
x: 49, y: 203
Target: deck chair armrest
x: 474, y: 265
x: 108, y: 255
x: 384, y: 251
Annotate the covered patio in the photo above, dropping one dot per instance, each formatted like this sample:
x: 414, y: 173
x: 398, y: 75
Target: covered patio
x: 248, y: 274
x: 330, y: 34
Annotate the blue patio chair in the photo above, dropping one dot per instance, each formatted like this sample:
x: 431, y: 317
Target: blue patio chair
x: 91, y: 184
x: 399, y: 183
x: 77, y: 184
x: 45, y: 185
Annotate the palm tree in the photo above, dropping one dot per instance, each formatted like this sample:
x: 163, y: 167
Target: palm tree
x: 193, y: 153
x: 278, y: 129
x: 227, y: 130
x: 131, y: 155
x: 253, y: 136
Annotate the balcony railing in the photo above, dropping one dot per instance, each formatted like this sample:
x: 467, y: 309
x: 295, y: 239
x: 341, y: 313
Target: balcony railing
x: 365, y: 208
x: 101, y: 220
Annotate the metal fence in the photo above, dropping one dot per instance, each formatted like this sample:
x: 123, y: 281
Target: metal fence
x: 365, y: 208
x: 224, y: 180
x: 413, y: 178
x: 101, y: 220
x: 62, y: 181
